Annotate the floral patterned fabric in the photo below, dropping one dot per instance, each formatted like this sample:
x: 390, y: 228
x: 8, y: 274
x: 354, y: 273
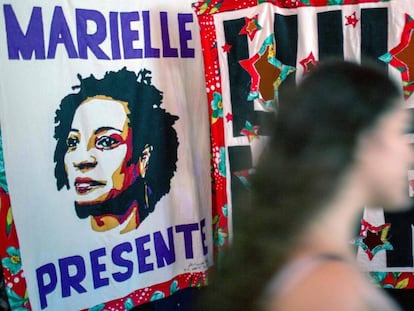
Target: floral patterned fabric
x: 4, y: 303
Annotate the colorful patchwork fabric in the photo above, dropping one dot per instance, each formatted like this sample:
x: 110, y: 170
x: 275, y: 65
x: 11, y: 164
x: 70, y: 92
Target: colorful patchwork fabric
x: 255, y: 49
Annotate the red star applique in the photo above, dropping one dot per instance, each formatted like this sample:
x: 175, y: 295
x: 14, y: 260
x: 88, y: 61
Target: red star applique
x: 226, y: 47
x: 351, y: 20
x: 263, y: 73
x: 251, y: 27
x: 401, y: 57
x: 248, y: 65
x: 229, y: 117
x: 267, y: 73
x: 373, y: 239
x: 308, y: 63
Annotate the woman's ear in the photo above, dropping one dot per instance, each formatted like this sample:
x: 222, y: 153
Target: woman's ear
x: 144, y: 160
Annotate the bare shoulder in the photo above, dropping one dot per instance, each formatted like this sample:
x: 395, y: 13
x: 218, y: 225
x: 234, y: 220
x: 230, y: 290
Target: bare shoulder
x: 333, y: 285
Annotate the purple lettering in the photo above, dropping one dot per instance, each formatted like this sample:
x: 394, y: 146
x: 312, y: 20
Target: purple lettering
x: 93, y: 35
x: 167, y: 50
x: 91, y: 41
x: 60, y: 34
x: 143, y: 253
x: 149, y: 50
x: 113, y: 22
x: 74, y: 280
x: 119, y: 261
x: 129, y: 35
x: 203, y: 236
x: 26, y: 44
x: 98, y: 267
x: 165, y: 255
x: 185, y: 35
x: 46, y: 288
x: 187, y: 231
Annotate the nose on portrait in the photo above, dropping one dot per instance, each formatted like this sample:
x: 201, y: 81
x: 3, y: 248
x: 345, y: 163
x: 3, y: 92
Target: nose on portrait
x: 83, y: 159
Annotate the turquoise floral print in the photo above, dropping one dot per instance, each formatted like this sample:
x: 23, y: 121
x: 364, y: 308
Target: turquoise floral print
x: 13, y: 262
x: 222, y: 163
x: 129, y: 305
x: 16, y: 302
x: 157, y: 295
x: 216, y: 107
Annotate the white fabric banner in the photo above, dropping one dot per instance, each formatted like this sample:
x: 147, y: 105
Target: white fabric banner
x: 106, y: 148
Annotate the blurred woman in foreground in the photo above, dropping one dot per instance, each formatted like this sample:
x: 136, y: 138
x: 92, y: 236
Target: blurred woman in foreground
x: 337, y: 146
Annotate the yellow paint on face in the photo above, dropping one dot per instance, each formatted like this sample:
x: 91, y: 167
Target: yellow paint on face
x: 109, y: 222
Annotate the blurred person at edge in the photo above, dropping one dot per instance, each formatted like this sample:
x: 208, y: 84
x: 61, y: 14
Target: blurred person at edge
x: 338, y: 144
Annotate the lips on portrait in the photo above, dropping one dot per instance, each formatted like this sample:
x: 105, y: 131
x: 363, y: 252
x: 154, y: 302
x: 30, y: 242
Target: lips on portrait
x: 86, y: 185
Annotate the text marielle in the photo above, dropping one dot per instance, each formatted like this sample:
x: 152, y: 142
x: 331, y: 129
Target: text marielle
x: 94, y: 30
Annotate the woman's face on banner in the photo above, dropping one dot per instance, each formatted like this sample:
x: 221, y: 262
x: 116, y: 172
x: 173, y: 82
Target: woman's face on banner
x: 99, y: 146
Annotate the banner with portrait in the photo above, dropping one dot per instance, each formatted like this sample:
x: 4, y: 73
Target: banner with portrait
x: 253, y: 50
x: 105, y: 137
